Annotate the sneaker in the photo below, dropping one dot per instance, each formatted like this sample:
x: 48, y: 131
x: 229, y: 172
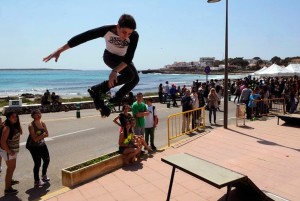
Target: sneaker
x: 39, y: 183
x: 153, y: 147
x: 94, y: 97
x: 14, y: 182
x: 45, y: 178
x: 10, y: 191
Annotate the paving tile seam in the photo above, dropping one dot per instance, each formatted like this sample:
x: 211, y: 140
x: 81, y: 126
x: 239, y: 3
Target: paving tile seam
x: 186, y: 141
x: 246, y: 144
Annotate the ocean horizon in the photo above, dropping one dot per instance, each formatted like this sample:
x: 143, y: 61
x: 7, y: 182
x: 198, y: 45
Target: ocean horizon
x: 74, y: 83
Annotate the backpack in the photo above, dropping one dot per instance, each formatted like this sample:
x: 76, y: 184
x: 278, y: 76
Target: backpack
x: 156, y: 122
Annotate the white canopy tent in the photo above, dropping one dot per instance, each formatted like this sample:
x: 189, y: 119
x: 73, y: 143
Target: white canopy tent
x: 262, y: 69
x: 294, y: 68
x: 275, y: 71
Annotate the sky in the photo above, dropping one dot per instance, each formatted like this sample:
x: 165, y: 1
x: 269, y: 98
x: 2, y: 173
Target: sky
x: 170, y: 31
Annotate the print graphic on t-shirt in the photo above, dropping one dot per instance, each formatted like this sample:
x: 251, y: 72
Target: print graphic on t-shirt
x: 115, y: 45
x: 118, y: 42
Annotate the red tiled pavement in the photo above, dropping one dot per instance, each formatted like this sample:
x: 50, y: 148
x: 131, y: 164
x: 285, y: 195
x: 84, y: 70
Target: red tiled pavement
x: 269, y: 154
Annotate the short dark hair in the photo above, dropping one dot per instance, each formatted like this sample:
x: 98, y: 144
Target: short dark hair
x: 127, y: 21
x: 150, y: 100
x: 35, y: 111
x: 139, y: 94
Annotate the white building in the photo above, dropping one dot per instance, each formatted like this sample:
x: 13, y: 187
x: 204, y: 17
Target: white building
x: 207, y: 61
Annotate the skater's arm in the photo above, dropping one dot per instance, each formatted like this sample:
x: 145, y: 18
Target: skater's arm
x: 114, y: 74
x: 134, y: 38
x: 79, y: 39
x: 89, y: 35
x: 57, y: 53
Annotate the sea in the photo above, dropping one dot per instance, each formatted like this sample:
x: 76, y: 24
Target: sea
x: 74, y: 83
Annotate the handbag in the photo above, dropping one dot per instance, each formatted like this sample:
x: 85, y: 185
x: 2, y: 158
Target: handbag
x: 28, y: 142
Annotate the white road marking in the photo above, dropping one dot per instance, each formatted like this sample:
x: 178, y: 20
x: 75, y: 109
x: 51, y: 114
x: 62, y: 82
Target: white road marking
x: 66, y: 134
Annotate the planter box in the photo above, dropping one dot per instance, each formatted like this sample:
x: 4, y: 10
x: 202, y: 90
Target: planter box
x: 71, y: 177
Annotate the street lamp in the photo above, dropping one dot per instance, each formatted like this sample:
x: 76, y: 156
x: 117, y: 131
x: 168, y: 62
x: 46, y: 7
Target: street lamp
x: 226, y: 66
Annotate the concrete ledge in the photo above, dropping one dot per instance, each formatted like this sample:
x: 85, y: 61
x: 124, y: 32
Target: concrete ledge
x: 84, y: 174
x: 26, y: 109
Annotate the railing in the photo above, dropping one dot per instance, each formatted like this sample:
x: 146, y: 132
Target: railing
x: 267, y: 107
x: 183, y: 123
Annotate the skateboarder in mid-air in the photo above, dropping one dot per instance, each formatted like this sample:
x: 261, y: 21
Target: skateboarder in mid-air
x: 121, y: 42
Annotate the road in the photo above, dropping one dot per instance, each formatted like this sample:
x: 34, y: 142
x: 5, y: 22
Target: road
x: 73, y: 140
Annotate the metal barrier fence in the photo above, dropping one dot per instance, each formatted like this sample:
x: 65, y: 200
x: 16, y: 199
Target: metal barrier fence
x: 268, y: 107
x: 182, y: 123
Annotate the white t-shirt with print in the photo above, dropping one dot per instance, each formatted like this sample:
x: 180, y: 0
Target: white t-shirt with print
x: 149, y: 120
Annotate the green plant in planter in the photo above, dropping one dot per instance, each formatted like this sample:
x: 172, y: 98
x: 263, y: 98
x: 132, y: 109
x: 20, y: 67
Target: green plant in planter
x: 93, y: 161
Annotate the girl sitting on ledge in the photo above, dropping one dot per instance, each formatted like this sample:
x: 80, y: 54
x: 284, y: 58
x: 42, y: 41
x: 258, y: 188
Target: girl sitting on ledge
x: 130, y: 145
x: 127, y: 147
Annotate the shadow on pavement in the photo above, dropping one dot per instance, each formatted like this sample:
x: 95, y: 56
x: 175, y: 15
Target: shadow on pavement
x: 263, y: 141
x: 291, y: 125
x: 37, y: 192
x: 10, y: 198
x: 245, y: 127
x: 133, y: 167
x: 238, y: 195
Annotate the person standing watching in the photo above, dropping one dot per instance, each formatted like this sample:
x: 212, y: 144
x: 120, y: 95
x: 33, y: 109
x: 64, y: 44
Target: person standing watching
x: 212, y: 104
x: 166, y: 91
x: 38, y: 148
x: 139, y: 111
x: 10, y: 140
x: 245, y: 94
x: 150, y: 123
x: 123, y: 117
x: 173, y: 92
x: 160, y: 92
x: 196, y: 114
x: 187, y: 104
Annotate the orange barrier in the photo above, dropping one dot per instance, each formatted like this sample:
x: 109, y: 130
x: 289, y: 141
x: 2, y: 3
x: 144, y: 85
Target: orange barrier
x: 267, y: 107
x: 182, y: 123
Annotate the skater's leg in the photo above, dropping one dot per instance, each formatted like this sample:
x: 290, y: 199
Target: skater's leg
x: 101, y: 88
x: 129, y: 78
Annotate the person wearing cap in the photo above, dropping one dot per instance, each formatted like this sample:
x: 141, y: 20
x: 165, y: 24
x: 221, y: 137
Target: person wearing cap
x: 38, y: 149
x: 9, y: 149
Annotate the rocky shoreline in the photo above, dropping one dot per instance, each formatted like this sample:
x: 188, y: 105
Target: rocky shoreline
x: 166, y: 71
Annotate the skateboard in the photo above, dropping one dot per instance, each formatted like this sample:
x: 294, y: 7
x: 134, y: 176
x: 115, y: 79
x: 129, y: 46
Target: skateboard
x: 100, y: 104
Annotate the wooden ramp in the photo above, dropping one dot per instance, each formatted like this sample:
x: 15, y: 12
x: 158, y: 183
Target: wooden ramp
x: 290, y: 119
x: 251, y: 192
x: 218, y: 177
